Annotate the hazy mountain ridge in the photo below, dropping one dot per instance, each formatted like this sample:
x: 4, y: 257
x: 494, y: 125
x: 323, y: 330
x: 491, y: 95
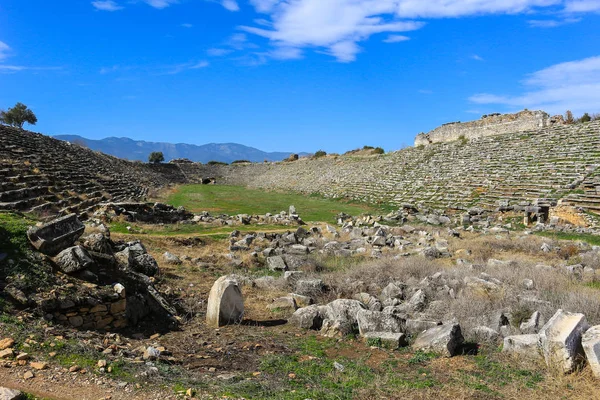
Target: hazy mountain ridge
x: 140, y: 150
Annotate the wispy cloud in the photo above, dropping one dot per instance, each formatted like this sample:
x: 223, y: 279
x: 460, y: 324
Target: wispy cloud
x: 338, y: 27
x: 582, y: 6
x: 573, y: 85
x: 216, y: 52
x: 7, y: 69
x: 425, y: 91
x: 176, y: 69
x: 106, y: 5
x: 230, y: 5
x: 188, y: 26
x: 396, y: 39
x: 160, y: 3
x: 477, y: 57
x: 4, y: 50
x: 552, y: 23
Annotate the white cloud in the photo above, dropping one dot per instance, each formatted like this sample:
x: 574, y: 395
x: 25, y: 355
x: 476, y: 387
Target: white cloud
x: 477, y: 57
x: 338, y: 26
x: 576, y: 6
x: 552, y: 23
x: 176, y: 69
x: 396, y: 39
x: 187, y: 26
x: 201, y: 64
x: 230, y: 5
x: 4, y: 50
x: 106, y: 5
x: 573, y: 85
x: 6, y: 69
x: 160, y: 3
x: 264, y: 6
x: 462, y: 8
x: 218, y: 52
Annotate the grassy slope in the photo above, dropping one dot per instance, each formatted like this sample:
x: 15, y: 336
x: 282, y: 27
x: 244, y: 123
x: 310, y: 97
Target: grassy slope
x: 240, y: 200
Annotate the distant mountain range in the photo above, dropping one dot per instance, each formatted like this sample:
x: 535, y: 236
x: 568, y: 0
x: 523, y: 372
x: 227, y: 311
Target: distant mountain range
x: 140, y: 150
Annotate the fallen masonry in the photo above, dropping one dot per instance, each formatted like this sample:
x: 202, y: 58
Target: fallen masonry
x: 112, y: 279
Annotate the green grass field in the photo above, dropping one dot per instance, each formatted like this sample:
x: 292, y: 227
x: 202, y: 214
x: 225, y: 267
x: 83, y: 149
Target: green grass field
x: 240, y: 200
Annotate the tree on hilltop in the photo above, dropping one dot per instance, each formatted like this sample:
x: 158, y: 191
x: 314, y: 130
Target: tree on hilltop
x: 17, y: 116
x: 156, y: 157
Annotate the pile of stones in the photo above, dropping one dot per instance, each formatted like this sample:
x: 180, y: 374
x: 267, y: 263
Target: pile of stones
x: 105, y: 284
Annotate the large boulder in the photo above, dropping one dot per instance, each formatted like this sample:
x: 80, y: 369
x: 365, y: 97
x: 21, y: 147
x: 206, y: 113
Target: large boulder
x: 56, y: 235
x: 340, y: 317
x: 73, y: 259
x: 276, y: 263
x: 387, y: 340
x: 591, y: 346
x: 375, y: 321
x: 225, y: 303
x: 444, y: 339
x: 10, y: 394
x: 310, y: 317
x: 145, y: 264
x: 523, y: 345
x: 98, y: 242
x: 560, y: 340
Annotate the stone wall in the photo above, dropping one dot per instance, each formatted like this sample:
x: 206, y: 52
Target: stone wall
x: 488, y: 125
x: 106, y: 309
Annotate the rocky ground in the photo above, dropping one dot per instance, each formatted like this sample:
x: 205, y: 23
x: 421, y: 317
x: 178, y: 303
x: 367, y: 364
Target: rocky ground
x: 491, y: 281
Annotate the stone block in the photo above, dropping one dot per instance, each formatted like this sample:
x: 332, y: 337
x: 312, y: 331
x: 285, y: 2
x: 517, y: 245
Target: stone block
x: 225, y: 303
x: 560, y: 340
x: 444, y: 339
x: 523, y: 345
x: 591, y: 346
x: 375, y: 321
x: 387, y: 340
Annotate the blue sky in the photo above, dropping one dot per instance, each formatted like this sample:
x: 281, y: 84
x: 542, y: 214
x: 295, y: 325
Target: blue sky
x: 293, y: 75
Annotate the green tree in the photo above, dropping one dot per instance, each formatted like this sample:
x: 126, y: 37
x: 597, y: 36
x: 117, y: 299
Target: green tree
x: 585, y: 118
x: 156, y: 157
x: 17, y: 116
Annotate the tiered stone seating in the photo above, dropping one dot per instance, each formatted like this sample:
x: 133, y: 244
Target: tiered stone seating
x: 558, y: 162
x: 49, y: 176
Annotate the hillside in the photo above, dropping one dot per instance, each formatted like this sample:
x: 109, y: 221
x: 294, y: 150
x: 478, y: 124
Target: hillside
x: 139, y: 150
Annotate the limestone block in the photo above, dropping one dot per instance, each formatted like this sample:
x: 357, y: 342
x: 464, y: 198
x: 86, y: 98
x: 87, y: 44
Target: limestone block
x: 286, y: 303
x: 523, y: 346
x: 276, y: 263
x: 532, y: 324
x: 9, y: 394
x: 387, y: 340
x: 310, y: 317
x: 225, y: 303
x: 73, y: 259
x: 444, y: 339
x: 591, y: 346
x: 375, y: 321
x: 560, y: 339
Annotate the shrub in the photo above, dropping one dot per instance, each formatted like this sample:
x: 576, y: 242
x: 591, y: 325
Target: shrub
x: 585, y: 118
x: 378, y: 150
x: 368, y: 147
x: 216, y: 163
x: 320, y: 153
x: 569, y: 117
x: 241, y: 162
x: 292, y: 157
x: 156, y: 157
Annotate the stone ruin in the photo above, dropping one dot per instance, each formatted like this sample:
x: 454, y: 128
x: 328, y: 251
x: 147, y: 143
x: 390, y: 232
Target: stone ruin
x: 488, y: 125
x: 105, y: 284
x: 557, y: 162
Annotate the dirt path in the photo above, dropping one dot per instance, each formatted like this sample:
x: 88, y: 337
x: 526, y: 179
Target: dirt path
x: 55, y: 384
